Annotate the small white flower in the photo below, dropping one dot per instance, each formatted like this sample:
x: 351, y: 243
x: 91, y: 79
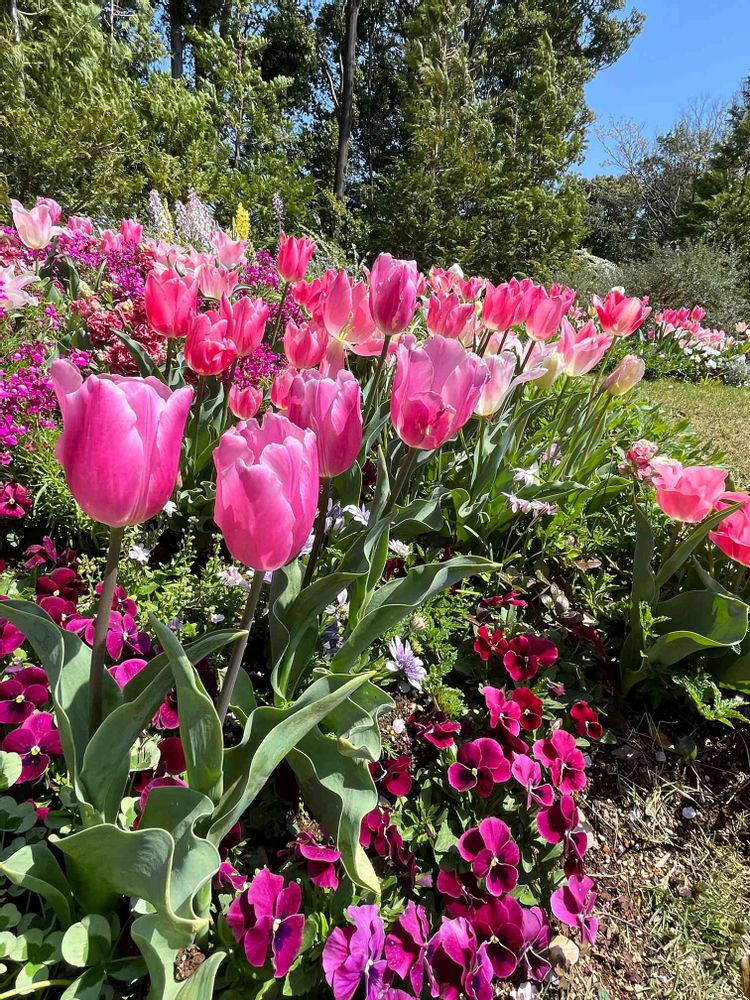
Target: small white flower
x: 400, y: 549
x: 169, y: 508
x: 232, y: 577
x: 398, y: 726
x: 216, y: 618
x: 359, y: 514
x: 525, y: 991
x: 341, y: 599
x: 140, y: 554
x: 529, y: 477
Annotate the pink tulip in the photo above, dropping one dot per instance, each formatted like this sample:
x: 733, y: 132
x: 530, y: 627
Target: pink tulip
x: 80, y: 224
x: 121, y: 440
x: 338, y: 304
x: 582, y: 349
x: 543, y: 313
x: 294, y: 256
x: 131, y: 232
x: 732, y: 535
x: 688, y: 494
x: 550, y: 369
x: 435, y: 390
x: 619, y: 314
x: 500, y: 382
x: 245, y: 403
x: 628, y: 373
x: 281, y: 385
x: 209, y: 350
x: 447, y: 316
x: 246, y: 323
x: 55, y: 211
x: 229, y: 253
x: 267, y: 488
x: 171, y: 302
x: 216, y: 281
x: 331, y: 408
x: 34, y: 226
x: 393, y: 293
x: 501, y: 304
x: 304, y: 345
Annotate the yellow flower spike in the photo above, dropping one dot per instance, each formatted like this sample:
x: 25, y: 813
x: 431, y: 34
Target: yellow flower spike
x: 241, y: 222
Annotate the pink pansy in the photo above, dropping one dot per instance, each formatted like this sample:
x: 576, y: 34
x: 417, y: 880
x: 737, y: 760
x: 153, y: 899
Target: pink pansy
x: 353, y: 955
x: 24, y: 692
x: 172, y: 755
x: 11, y: 638
x: 15, y: 500
x: 321, y: 862
x: 460, y: 891
x: 526, y: 654
x: 499, y: 924
x: 586, y: 721
x: 689, y: 493
x: 503, y: 711
x: 406, y: 945
x: 529, y: 774
x: 564, y: 760
x: 558, y: 825
x: 481, y: 765
x: 266, y: 919
x: 161, y: 782
x: 492, y: 853
x: 531, y: 708
x: 35, y: 742
x: 619, y: 314
x: 435, y: 728
x: 574, y: 904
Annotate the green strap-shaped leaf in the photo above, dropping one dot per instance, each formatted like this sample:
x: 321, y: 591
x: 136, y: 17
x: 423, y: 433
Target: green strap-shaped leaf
x: 106, y: 762
x: 270, y: 733
x: 683, y: 551
x: 35, y: 868
x: 160, y: 944
x: 200, y: 726
x: 354, y: 722
x: 200, y: 986
x: 146, y: 364
x: 697, y: 620
x: 398, y: 598
x: 339, y: 791
x: 86, y: 987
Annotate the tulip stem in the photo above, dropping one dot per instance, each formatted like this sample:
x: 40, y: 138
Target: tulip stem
x: 168, y: 359
x: 227, y: 388
x: 372, y: 393
x: 199, y: 393
x: 103, y: 611
x: 320, y: 530
x: 277, y: 322
x: 401, y: 481
x: 240, y: 644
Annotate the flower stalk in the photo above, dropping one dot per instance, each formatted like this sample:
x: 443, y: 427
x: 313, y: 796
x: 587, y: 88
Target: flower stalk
x: 240, y: 644
x: 104, y: 609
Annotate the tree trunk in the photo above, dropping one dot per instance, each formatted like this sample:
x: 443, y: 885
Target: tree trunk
x: 346, y: 104
x: 16, y: 28
x: 176, y: 38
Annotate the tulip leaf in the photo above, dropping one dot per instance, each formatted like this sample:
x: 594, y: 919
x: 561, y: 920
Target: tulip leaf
x: 697, y: 620
x: 200, y: 726
x: 10, y: 769
x: 398, y: 598
x: 159, y: 943
x: 683, y: 551
x: 35, y: 868
x: 339, y: 791
x: 354, y: 722
x: 269, y: 735
x: 145, y: 363
x: 106, y: 762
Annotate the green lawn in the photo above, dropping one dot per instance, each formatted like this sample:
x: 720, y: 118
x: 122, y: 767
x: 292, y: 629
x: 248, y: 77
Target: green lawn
x: 720, y: 415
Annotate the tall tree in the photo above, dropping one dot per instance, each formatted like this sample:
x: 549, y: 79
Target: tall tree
x: 346, y: 100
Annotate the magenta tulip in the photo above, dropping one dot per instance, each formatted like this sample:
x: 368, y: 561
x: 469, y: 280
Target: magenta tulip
x: 501, y: 305
x: 688, y: 494
x: 304, y: 345
x: 294, y: 256
x: 267, y: 487
x: 393, y: 293
x: 582, y: 349
x: 331, y: 408
x: 732, y: 535
x: 120, y: 445
x: 619, y: 314
x: 447, y: 316
x: 543, y: 312
x: 245, y: 403
x: 34, y: 226
x: 209, y: 350
x: 246, y: 323
x: 171, y: 301
x: 435, y: 390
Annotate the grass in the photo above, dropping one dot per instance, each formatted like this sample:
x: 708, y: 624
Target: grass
x: 720, y: 414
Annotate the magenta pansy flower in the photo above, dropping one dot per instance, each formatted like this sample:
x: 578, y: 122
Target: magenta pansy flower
x: 573, y: 904
x: 11, y: 638
x: 527, y: 654
x: 531, y: 708
x: 529, y: 774
x: 321, y: 861
x: 394, y: 778
x: 503, y: 711
x: 354, y: 955
x: 566, y: 763
x: 166, y: 716
x: 492, y: 854
x: 435, y: 728
x: 25, y: 691
x: 228, y: 877
x: 537, y: 936
x: 61, y: 582
x: 481, y: 764
x: 35, y: 742
x: 266, y: 918
x: 558, y: 824
x: 456, y: 965
x: 499, y: 923
x: 59, y: 610
x: 460, y: 891
x: 15, y: 500
x: 586, y: 721
x: 406, y: 945
x: 127, y: 670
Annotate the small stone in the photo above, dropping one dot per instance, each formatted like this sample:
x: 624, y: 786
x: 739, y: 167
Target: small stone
x: 563, y: 953
x: 689, y: 813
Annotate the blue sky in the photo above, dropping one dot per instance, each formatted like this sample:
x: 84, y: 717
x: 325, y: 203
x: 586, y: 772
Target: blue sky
x: 686, y: 49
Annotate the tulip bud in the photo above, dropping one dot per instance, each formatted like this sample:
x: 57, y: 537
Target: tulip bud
x: 393, y: 293
x: 553, y: 366
x: 216, y: 281
x: 304, y: 345
x: 619, y: 314
x: 55, y: 211
x: 294, y: 256
x: 628, y: 373
x: 331, y: 408
x: 245, y: 403
x: 229, y: 253
x: 495, y: 389
x: 208, y: 348
x: 281, y: 385
x: 171, y: 301
x: 246, y: 323
x: 34, y: 226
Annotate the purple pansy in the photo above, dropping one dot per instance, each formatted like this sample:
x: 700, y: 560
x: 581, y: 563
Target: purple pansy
x: 354, y: 955
x: 35, y: 742
x: 503, y: 711
x: 456, y: 965
x: 573, y: 904
x: 25, y: 691
x: 492, y: 853
x: 406, y: 945
x: 266, y: 918
x: 481, y: 764
x: 127, y: 670
x: 499, y: 924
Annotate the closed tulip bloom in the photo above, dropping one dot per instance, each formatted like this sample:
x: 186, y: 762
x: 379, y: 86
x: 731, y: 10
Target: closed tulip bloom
x: 582, y: 349
x: 229, y: 253
x: 80, y: 224
x: 501, y: 304
x: 282, y: 383
x: 245, y: 403
x: 267, y: 488
x: 435, y: 390
x: 246, y: 323
x: 393, y: 293
x: 447, y: 316
x: 171, y: 301
x: 294, y: 257
x: 216, y: 281
x: 544, y: 313
x: 551, y: 367
x: 121, y: 441
x: 500, y: 368
x: 688, y: 494
x: 304, y: 345
x: 55, y: 211
x: 208, y: 348
x: 338, y: 304
x: 732, y: 535
x: 131, y: 231
x: 331, y: 408
x: 628, y: 373
x: 34, y: 226
x: 619, y: 314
